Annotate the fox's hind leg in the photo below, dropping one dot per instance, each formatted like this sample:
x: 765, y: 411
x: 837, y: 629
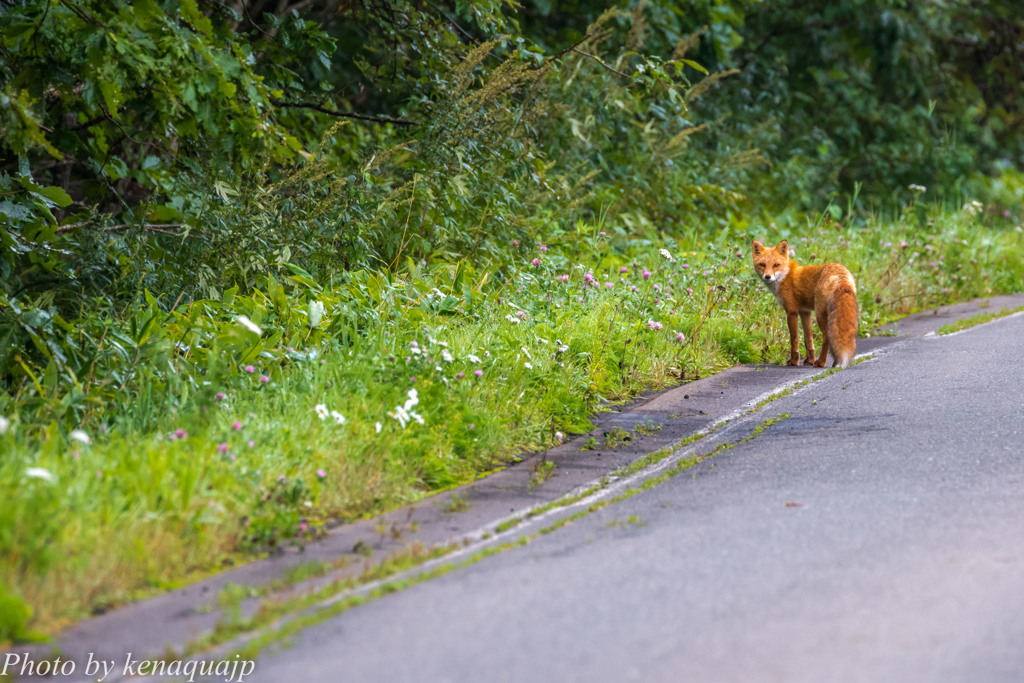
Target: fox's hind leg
x: 805, y: 318
x: 821, y: 314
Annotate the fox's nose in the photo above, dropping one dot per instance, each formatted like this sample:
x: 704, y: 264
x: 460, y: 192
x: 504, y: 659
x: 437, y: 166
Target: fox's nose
x: 768, y: 277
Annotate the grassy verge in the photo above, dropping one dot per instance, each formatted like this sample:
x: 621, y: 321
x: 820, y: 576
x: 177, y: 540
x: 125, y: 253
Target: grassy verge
x: 978, y: 319
x: 210, y: 430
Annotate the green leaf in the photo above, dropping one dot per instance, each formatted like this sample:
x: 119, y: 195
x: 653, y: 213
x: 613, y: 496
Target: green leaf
x: 190, y: 13
x: 57, y: 195
x: 694, y: 65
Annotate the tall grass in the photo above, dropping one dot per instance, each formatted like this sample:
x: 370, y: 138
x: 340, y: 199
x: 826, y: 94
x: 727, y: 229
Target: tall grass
x: 202, y: 435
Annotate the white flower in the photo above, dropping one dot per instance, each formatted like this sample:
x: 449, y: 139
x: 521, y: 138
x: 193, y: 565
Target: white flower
x: 563, y: 348
x: 315, y: 313
x: 39, y: 473
x: 79, y: 435
x: 378, y: 426
x: 916, y: 188
x: 973, y: 208
x: 665, y: 253
x: 413, y: 399
x: 338, y: 417
x: 249, y: 325
x: 321, y: 411
x: 524, y: 350
x: 559, y: 436
x: 512, y: 319
x: 5, y: 424
x: 447, y: 356
x: 527, y: 365
x: 473, y: 359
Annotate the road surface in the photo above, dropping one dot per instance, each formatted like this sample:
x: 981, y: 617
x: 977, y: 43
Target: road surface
x: 875, y: 534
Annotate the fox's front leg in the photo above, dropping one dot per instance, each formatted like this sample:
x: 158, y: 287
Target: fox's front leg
x: 794, y: 338
x: 805, y: 318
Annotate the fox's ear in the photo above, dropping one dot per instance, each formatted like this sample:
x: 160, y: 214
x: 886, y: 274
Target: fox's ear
x: 758, y: 248
x: 783, y: 248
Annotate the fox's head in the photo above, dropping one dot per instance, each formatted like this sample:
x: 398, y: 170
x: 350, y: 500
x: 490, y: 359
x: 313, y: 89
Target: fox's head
x: 771, y: 264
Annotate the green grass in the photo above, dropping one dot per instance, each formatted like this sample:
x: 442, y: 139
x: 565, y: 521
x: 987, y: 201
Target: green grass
x: 978, y: 319
x: 426, y: 381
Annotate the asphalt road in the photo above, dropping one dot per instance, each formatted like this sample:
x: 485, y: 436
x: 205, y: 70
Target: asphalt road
x: 877, y: 534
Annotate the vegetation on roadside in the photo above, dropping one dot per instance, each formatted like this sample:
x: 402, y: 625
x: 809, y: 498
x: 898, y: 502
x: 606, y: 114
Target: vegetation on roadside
x: 263, y: 268
x: 980, y: 318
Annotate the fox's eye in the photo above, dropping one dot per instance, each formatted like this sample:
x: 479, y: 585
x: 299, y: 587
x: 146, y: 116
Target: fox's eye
x: 778, y: 265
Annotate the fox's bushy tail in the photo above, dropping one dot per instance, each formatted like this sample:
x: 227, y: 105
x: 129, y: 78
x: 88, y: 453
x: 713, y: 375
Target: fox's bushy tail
x: 842, y: 324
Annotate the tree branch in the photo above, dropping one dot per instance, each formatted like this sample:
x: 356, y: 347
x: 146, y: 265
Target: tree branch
x: 347, y: 115
x: 149, y: 227
x: 600, y: 61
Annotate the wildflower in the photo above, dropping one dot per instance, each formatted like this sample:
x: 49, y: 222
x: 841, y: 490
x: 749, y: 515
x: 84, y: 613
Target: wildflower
x: 526, y: 351
x: 535, y: 262
x: 303, y: 528
x: 181, y: 433
x: 973, y: 207
x: 478, y: 373
x: 528, y: 365
x: 252, y: 444
x: 515, y: 243
x: 459, y: 375
x: 633, y: 288
x: 559, y: 436
x: 5, y: 424
x: 220, y: 396
x: 647, y: 274
x: 609, y: 285
x: 321, y: 474
x: 512, y: 319
x: 689, y: 290
x: 446, y: 356
x: 236, y: 425
x: 250, y: 369
x: 681, y: 337
x: 413, y: 399
x: 562, y: 278
x: 314, y: 312
x: 222, y: 448
x: 654, y: 325
x: 521, y: 314
x: 264, y: 379
x: 623, y: 269
x: 321, y: 411
x: 249, y: 325
x: 173, y: 436
x: 666, y: 254
x: 79, y: 435
x: 685, y: 266
x: 473, y: 359
x: 589, y: 278
x: 39, y: 473
x: 916, y: 188
x: 338, y: 417
x: 543, y: 248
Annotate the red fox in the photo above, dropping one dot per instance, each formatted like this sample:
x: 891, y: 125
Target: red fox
x: 827, y: 291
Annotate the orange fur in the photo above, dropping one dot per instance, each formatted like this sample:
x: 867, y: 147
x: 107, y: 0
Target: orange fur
x: 828, y: 291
